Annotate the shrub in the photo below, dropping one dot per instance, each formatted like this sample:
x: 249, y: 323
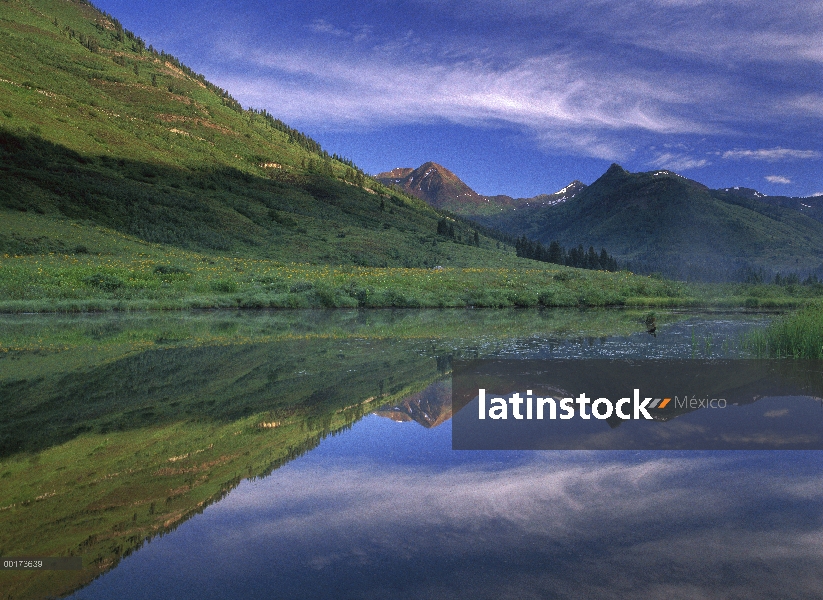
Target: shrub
x: 104, y: 281
x: 301, y: 286
x: 225, y: 286
x: 170, y: 270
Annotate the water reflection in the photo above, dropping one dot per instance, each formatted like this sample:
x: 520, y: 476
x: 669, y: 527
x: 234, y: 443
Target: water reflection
x: 430, y: 407
x: 116, y: 430
x: 365, y: 516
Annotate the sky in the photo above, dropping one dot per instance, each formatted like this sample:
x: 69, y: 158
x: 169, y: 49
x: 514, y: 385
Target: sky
x: 521, y: 97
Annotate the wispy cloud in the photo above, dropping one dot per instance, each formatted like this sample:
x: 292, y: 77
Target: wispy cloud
x: 678, y: 162
x: 562, y: 100
x: 323, y: 26
x: 589, y: 77
x: 772, y: 154
x: 718, y: 32
x: 580, y: 89
x: 777, y: 179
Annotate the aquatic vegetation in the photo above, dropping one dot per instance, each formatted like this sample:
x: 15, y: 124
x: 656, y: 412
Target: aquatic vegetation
x: 796, y: 335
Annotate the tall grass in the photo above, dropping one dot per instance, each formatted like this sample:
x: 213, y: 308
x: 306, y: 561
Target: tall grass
x: 796, y: 335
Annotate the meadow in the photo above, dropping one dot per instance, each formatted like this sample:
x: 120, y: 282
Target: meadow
x: 129, y: 182
x: 98, y: 269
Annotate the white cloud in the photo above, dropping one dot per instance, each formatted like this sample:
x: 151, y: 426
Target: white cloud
x: 323, y: 26
x: 678, y: 162
x: 563, y: 101
x: 719, y: 32
x: 777, y: 179
x: 772, y: 154
x: 807, y: 104
x: 607, y: 71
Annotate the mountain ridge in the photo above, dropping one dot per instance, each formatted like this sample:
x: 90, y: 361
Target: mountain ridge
x: 662, y: 221
x: 442, y: 189
x: 648, y: 219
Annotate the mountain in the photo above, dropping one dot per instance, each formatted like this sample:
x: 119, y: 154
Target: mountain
x: 811, y: 206
x: 433, y: 183
x: 101, y: 129
x: 443, y: 189
x: 662, y: 221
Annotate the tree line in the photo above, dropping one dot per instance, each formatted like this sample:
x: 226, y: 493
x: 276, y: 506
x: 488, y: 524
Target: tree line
x: 574, y: 257
x: 446, y: 228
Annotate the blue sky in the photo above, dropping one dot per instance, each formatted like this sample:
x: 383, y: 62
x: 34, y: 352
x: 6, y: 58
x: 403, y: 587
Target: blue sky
x: 520, y: 97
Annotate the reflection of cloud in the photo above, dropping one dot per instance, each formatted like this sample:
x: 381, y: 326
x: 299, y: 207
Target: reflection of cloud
x: 776, y: 413
x: 543, y: 497
x: 598, y: 528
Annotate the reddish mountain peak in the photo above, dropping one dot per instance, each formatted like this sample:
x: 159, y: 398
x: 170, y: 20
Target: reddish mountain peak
x: 441, y: 188
x: 433, y: 183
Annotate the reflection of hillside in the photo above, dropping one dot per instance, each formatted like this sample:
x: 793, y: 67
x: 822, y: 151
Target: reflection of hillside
x: 96, y: 461
x: 115, y: 429
x: 430, y: 407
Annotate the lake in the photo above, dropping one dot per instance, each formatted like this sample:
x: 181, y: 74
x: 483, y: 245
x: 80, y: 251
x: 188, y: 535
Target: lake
x: 309, y: 454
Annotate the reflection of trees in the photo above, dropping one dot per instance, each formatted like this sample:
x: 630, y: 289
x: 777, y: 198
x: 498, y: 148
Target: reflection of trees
x: 125, y: 451
x: 148, y: 419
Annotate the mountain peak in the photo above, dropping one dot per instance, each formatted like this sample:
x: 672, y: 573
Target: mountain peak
x: 616, y: 169
x: 441, y: 188
x: 433, y: 183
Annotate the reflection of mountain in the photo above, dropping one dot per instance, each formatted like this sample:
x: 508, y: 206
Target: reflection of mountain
x: 430, y: 408
x: 100, y: 458
x: 114, y: 429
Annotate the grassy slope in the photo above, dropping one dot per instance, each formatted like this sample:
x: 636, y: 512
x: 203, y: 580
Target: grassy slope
x: 116, y: 271
x: 86, y: 135
x: 118, y: 193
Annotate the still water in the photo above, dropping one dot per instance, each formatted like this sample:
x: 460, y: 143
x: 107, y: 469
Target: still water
x: 308, y: 455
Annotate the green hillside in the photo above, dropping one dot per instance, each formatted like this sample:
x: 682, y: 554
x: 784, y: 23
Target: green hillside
x: 96, y: 127
x: 128, y: 181
x: 661, y: 221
